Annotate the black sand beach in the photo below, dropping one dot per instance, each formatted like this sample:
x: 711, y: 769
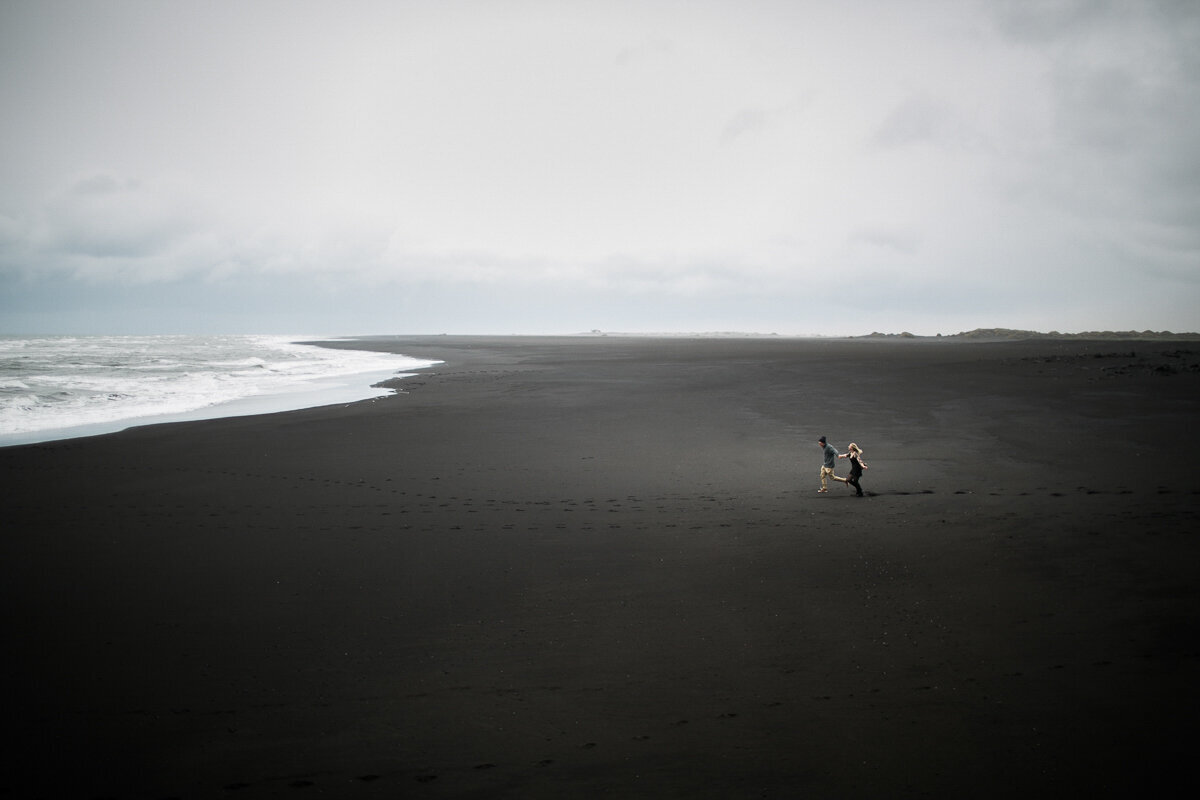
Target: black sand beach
x: 588, y: 567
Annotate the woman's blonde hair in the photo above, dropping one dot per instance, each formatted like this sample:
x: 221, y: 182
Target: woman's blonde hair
x: 856, y: 448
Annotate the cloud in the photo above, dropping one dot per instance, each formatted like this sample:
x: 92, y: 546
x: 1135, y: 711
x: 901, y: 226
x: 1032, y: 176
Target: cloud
x: 1104, y: 182
x: 920, y: 120
x: 905, y: 243
x: 14, y: 235
x: 653, y: 48
x: 1043, y: 21
x: 101, y: 218
x: 103, y: 227
x: 747, y: 121
x: 744, y: 121
x: 608, y: 154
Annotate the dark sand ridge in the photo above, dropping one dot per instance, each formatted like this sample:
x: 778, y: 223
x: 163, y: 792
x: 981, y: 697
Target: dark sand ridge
x: 599, y: 567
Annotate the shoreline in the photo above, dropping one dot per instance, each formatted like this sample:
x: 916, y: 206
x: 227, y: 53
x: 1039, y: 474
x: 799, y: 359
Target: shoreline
x: 581, y: 566
x: 338, y: 390
x: 334, y: 389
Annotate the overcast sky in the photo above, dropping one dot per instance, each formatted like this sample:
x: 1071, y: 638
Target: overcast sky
x: 552, y: 167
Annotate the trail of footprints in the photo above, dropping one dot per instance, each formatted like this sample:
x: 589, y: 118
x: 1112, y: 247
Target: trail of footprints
x: 686, y: 509
x: 672, y: 503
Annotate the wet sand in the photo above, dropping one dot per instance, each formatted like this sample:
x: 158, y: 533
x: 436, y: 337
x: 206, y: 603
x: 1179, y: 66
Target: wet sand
x: 600, y: 567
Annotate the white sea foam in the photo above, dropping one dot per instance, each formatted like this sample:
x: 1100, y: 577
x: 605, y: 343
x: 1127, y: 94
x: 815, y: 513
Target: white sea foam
x: 57, y: 387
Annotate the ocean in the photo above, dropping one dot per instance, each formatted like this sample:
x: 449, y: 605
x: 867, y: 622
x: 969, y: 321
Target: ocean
x: 57, y: 387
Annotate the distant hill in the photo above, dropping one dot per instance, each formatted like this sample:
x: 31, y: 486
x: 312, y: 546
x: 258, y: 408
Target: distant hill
x: 1007, y: 333
x: 1010, y: 333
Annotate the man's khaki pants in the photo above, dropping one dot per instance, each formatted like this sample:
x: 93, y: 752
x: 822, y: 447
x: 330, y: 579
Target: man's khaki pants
x: 827, y: 472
